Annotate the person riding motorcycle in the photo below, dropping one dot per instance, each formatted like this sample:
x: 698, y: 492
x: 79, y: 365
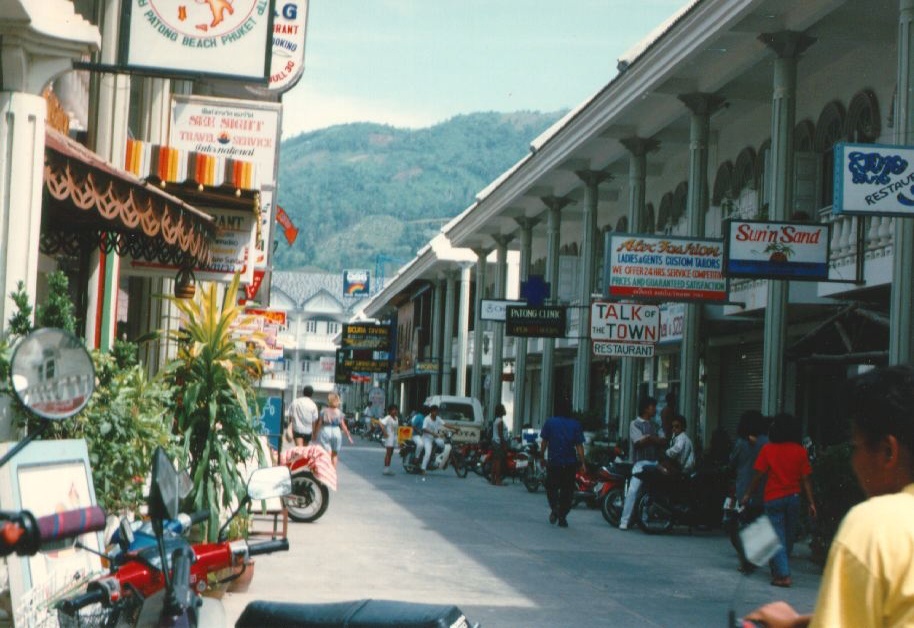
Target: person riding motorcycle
x: 432, y: 429
x: 681, y: 454
x: 416, y: 423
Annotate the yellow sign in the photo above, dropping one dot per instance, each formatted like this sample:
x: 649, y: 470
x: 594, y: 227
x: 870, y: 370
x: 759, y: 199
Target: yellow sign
x: 404, y: 433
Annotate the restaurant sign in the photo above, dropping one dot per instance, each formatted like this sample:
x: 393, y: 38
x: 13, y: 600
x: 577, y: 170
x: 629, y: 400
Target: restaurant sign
x: 777, y: 250
x: 536, y: 322
x: 228, y: 39
x: 873, y: 179
x: 624, y: 329
x: 664, y: 268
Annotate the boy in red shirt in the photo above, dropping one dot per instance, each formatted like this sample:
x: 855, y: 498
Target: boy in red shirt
x: 785, y: 462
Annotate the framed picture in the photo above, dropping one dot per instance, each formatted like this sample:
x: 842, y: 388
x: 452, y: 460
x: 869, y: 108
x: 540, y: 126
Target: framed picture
x: 44, y: 478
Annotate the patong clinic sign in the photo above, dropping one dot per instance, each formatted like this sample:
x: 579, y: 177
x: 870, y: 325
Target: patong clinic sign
x: 228, y: 39
x: 664, y: 268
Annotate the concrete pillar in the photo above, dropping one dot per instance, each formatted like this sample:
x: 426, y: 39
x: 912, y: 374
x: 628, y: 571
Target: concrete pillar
x: 498, y: 335
x: 437, y: 306
x: 463, y: 329
x: 592, y: 180
x: 638, y: 148
x: 788, y: 46
x: 448, y: 340
x: 478, y: 325
x: 520, y: 344
x: 901, y: 311
x: 553, y: 240
x: 701, y: 107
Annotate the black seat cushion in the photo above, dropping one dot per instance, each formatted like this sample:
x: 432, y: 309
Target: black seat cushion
x: 356, y: 614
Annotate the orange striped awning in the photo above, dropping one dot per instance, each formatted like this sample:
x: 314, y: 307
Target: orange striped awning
x: 175, y: 165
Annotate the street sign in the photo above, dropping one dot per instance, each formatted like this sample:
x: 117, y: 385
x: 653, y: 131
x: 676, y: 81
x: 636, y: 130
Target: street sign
x: 536, y: 322
x: 603, y: 349
x: 365, y: 336
x: 494, y: 309
x: 630, y: 323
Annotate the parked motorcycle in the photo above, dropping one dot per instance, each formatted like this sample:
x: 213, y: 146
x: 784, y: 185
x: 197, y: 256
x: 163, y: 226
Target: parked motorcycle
x: 613, y: 501
x: 158, y: 584
x: 515, y: 464
x: 455, y: 458
x: 669, y: 498
x: 51, y: 374
x: 313, y: 476
x: 592, y: 486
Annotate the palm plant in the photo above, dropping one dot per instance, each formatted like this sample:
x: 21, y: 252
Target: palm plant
x: 214, y: 375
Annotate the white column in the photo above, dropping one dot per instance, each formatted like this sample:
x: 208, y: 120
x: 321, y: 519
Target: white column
x: 448, y: 335
x: 463, y: 330
x: 553, y: 240
x: 498, y: 337
x: 436, y: 336
x: 520, y: 360
x: 478, y: 325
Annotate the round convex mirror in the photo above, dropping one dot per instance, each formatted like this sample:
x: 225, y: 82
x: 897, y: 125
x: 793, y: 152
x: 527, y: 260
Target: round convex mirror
x: 52, y: 374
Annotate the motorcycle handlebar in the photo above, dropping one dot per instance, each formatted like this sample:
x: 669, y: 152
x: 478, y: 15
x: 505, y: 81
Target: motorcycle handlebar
x: 71, y: 523
x: 279, y: 545
x: 199, y: 517
x: 72, y: 605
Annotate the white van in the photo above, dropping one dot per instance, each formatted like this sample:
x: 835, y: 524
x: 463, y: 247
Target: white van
x: 464, y: 413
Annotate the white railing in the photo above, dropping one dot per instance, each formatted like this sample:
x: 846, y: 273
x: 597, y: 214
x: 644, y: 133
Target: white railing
x: 878, y: 236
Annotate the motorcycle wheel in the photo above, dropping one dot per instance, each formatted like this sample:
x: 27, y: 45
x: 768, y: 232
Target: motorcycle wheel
x: 460, y: 467
x: 652, y: 518
x: 309, y: 499
x: 531, y: 482
x: 487, y: 469
x: 408, y: 464
x: 612, y: 505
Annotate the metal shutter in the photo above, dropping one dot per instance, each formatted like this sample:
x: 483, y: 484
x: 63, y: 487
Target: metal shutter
x: 741, y: 383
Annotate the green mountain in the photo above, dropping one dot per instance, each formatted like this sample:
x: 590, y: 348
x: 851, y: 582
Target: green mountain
x: 357, y: 191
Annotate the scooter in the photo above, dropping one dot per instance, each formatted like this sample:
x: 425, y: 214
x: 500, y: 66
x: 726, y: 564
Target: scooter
x: 669, y: 498
x: 158, y: 584
x: 592, y: 487
x: 313, y: 476
x: 438, y: 460
x: 613, y: 501
x: 52, y: 376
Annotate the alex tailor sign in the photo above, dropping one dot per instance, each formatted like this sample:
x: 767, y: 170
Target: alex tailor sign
x: 664, y: 268
x: 874, y: 179
x: 624, y: 329
x: 777, y: 250
x: 228, y: 39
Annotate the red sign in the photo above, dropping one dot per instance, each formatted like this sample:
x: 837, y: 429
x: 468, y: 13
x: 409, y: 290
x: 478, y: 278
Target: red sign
x: 289, y: 228
x: 250, y: 291
x: 277, y: 317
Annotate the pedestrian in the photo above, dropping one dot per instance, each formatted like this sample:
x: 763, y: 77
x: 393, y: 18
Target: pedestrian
x: 644, y: 448
x: 330, y: 427
x: 302, y: 415
x: 563, y: 450
x: 681, y: 453
x: 752, y: 435
x: 390, y: 425
x: 868, y: 579
x: 499, y: 444
x: 785, y: 463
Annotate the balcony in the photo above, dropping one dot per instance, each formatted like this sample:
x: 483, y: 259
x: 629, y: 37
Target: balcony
x: 878, y: 241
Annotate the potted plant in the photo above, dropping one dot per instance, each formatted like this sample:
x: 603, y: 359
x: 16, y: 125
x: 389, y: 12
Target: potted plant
x: 214, y: 376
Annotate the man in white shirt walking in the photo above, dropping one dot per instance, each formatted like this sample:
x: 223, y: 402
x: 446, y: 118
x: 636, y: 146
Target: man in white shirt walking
x: 303, y: 413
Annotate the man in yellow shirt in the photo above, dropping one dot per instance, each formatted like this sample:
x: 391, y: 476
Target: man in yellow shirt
x: 868, y: 579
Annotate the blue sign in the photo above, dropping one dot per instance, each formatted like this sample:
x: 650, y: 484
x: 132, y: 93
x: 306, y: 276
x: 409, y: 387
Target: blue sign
x: 271, y: 418
x: 535, y: 291
x: 874, y: 179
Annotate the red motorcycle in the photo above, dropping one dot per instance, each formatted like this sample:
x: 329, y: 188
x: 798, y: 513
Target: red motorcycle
x: 593, y: 486
x: 514, y: 466
x: 313, y: 475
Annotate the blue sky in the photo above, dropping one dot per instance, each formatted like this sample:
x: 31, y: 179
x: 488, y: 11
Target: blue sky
x: 412, y: 63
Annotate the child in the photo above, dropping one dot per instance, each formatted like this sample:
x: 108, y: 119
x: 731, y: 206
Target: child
x: 390, y: 425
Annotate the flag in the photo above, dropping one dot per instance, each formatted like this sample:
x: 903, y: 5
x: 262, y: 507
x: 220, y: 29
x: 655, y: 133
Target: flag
x: 289, y: 228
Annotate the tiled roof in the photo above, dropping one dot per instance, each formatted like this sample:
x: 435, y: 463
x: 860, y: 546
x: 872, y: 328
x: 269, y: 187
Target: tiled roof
x: 302, y: 286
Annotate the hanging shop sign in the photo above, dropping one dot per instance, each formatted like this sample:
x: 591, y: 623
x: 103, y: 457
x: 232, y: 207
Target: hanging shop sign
x: 290, y: 23
x: 672, y: 322
x: 536, y: 322
x: 602, y: 349
x: 275, y: 317
x: 873, y: 179
x: 226, y: 39
x: 264, y: 236
x: 426, y: 367
x: 365, y: 336
x: 664, y: 268
x: 356, y: 283
x: 495, y: 309
x: 240, y: 129
x: 624, y: 329
x: 289, y: 230
x: 777, y: 250
x: 350, y: 361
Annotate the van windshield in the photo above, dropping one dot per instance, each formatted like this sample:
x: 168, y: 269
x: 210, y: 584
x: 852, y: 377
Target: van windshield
x: 451, y: 411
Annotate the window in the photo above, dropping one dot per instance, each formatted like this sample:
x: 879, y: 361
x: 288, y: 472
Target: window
x: 311, y: 327
x: 829, y: 131
x: 333, y: 328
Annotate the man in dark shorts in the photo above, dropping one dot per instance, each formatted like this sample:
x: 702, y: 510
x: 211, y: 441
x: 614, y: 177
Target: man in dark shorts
x: 563, y: 448
x: 302, y: 415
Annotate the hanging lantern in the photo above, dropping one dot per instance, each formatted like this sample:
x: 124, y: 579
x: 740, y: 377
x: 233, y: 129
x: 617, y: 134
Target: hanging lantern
x: 185, y: 284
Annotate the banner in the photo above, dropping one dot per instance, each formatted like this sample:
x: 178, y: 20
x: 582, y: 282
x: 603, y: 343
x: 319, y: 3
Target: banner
x: 226, y: 39
x: 240, y: 129
x: 289, y: 228
x: 777, y: 250
x: 873, y: 179
x: 664, y: 268
x: 672, y: 322
x: 356, y: 283
x: 536, y: 322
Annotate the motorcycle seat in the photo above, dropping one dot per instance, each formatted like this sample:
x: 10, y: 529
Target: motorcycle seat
x: 355, y: 614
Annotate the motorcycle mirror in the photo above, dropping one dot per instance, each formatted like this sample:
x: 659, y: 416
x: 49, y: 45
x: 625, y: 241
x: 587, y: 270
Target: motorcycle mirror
x: 164, y: 492
x: 185, y: 483
x: 125, y: 538
x: 52, y: 374
x: 270, y: 482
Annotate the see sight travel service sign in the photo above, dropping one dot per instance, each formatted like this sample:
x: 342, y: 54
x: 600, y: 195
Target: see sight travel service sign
x: 873, y: 179
x: 229, y: 39
x: 777, y: 250
x: 624, y: 329
x: 664, y: 268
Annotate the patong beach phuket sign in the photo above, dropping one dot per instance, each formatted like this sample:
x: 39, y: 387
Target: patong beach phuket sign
x: 664, y: 268
x: 874, y: 179
x: 218, y: 38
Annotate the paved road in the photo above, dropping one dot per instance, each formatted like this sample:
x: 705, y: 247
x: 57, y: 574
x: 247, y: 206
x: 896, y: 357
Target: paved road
x: 492, y: 552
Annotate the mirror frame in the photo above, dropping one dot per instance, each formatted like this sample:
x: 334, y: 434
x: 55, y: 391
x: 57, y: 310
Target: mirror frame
x: 285, y: 484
